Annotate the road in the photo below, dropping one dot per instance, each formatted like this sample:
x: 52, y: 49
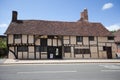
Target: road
x: 87, y: 71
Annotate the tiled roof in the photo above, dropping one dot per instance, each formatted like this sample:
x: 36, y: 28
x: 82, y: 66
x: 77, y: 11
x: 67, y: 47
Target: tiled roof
x: 41, y: 27
x: 117, y: 36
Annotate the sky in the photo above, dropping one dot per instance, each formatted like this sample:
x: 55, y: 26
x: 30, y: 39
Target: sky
x: 106, y: 12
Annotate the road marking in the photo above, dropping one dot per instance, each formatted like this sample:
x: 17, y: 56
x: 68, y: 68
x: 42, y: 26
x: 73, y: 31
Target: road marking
x: 111, y: 66
x: 110, y: 70
x: 46, y: 72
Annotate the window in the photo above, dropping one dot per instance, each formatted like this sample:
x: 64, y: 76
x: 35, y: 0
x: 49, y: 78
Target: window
x: 82, y: 51
x: 110, y: 38
x: 104, y: 48
x: 43, y: 49
x: 17, y: 36
x: 67, y: 49
x: 22, y: 48
x: 79, y: 38
x: 43, y: 42
x: 118, y: 46
x: 77, y: 51
x: 91, y: 38
x: 51, y: 37
x: 37, y: 49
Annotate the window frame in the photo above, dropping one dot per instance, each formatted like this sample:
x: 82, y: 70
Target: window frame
x: 79, y: 38
x: 17, y: 36
x: 82, y: 51
x: 43, y: 42
x: 110, y: 37
x: 43, y: 49
x: 22, y: 48
x: 91, y: 38
x: 67, y: 49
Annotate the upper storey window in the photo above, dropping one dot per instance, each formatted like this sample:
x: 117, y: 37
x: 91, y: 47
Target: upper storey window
x: 17, y: 36
x: 91, y: 38
x: 110, y: 38
x: 79, y: 38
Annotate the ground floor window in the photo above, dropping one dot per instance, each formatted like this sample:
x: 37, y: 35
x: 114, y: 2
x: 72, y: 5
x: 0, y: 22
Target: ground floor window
x: 41, y: 49
x: 82, y: 51
x: 67, y: 49
x: 22, y: 49
x: 37, y: 48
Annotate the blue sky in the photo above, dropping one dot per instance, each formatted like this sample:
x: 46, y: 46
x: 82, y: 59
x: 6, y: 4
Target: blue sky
x: 105, y: 11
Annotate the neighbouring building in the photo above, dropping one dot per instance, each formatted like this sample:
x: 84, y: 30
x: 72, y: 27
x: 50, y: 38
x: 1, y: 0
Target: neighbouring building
x: 41, y: 39
x: 117, y: 42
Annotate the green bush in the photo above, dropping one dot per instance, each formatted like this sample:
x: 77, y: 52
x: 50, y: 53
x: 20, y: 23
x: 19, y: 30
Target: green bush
x: 3, y: 48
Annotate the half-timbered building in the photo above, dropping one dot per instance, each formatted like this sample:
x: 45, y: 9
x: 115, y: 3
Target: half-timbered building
x: 42, y: 39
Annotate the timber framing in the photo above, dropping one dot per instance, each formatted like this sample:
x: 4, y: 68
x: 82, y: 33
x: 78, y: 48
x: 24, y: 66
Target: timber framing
x: 39, y: 39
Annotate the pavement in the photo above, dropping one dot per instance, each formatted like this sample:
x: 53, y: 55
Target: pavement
x: 63, y: 61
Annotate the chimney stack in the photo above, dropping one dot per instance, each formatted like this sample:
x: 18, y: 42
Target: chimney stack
x: 14, y: 16
x: 84, y: 15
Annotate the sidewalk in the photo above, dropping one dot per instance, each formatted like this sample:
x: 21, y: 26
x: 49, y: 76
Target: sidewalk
x: 15, y: 61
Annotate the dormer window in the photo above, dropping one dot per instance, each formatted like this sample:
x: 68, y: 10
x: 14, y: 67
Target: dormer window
x: 17, y: 36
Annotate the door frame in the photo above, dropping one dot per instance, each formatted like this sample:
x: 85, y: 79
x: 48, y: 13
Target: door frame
x: 51, y: 52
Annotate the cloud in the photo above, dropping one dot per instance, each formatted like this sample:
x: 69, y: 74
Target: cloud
x: 113, y: 27
x: 3, y: 25
x: 107, y: 6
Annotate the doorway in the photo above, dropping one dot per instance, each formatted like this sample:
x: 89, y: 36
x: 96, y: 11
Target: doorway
x: 109, y: 52
x: 54, y: 52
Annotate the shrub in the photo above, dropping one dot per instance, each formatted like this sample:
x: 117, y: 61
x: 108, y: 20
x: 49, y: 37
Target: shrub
x: 3, y: 47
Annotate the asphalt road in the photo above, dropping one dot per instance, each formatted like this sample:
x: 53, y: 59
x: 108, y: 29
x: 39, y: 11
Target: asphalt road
x: 87, y: 71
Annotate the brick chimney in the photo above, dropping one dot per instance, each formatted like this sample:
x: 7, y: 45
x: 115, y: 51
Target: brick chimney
x: 14, y: 16
x: 84, y: 15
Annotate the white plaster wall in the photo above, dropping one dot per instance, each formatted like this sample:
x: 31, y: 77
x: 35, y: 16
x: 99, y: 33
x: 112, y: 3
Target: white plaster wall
x: 10, y: 39
x: 31, y: 48
x: 25, y: 55
x: 93, y: 49
x: 31, y: 55
x: 73, y: 39
x: 49, y: 41
x: 85, y: 41
x: 78, y: 56
x: 37, y: 42
x: 37, y: 55
x: 19, y: 55
x: 30, y: 39
x: 66, y: 37
x: 66, y: 41
x: 24, y: 38
x: 80, y: 43
x: 11, y: 48
x: 17, y: 41
x: 67, y: 55
x: 102, y: 39
x: 54, y: 42
x: 94, y: 55
x: 11, y: 55
x: 101, y: 44
x: 43, y: 55
x: 87, y: 56
x: 59, y: 42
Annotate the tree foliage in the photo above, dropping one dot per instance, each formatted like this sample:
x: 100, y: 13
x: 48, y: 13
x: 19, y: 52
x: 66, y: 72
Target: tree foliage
x: 3, y: 47
x: 3, y: 43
